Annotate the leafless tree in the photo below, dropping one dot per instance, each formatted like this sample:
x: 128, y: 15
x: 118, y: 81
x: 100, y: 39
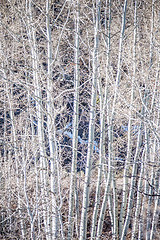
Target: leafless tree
x: 79, y: 119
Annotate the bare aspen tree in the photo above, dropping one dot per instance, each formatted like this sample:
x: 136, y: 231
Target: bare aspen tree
x: 151, y: 157
x: 73, y: 181
x: 132, y: 185
x: 39, y: 113
x: 51, y: 130
x: 83, y: 224
x: 129, y: 145
x: 104, y: 203
x: 103, y: 105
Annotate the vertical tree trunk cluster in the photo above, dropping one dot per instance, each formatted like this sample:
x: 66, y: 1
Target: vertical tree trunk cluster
x: 79, y: 119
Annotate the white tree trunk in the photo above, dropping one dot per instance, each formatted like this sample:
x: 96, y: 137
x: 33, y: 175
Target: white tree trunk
x: 110, y: 128
x: 103, y: 108
x: 129, y: 143
x: 83, y: 224
x: 39, y: 114
x: 51, y: 131
x: 73, y: 181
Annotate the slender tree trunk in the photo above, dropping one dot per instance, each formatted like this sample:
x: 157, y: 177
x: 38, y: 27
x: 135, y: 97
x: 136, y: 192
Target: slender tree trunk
x: 132, y: 186
x: 39, y: 114
x: 103, y: 105
x: 129, y: 144
x: 83, y: 224
x: 110, y: 128
x: 75, y: 126
x: 51, y: 131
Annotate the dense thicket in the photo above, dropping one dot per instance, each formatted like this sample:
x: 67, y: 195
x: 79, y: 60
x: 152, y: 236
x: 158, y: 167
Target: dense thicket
x: 79, y: 119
